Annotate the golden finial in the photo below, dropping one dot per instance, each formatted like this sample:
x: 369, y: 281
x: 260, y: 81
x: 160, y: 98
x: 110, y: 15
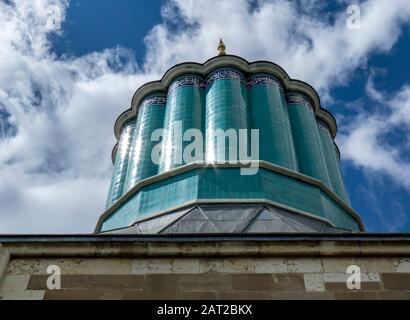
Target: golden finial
x: 221, y: 48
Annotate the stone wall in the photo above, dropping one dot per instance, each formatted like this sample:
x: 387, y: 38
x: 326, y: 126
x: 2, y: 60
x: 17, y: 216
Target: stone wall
x: 116, y: 267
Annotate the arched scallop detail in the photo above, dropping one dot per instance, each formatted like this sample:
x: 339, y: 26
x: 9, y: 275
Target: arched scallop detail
x: 121, y: 163
x: 150, y: 118
x: 225, y: 113
x: 269, y: 114
x: 222, y: 62
x: 184, y: 111
x: 311, y: 160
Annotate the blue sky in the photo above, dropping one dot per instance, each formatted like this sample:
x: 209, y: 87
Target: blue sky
x: 61, y: 90
x: 95, y: 25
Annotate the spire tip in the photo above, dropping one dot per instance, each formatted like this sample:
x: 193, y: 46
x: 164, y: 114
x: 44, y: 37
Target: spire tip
x: 221, y: 48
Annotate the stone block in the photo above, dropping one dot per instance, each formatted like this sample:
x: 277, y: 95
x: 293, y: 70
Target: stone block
x: 211, y: 265
x: 15, y: 283
x: 367, y: 265
x: 245, y: 295
x: 375, y: 264
x: 301, y: 295
x: 241, y: 265
x: 158, y: 282
x: 185, y: 265
x: 396, y: 281
x: 22, y: 295
x: 103, y: 282
x: 394, y: 295
x: 108, y: 266
x: 149, y: 295
x: 270, y: 265
x: 314, y: 282
x: 14, y: 288
x: 288, y: 282
x: 81, y: 294
x: 159, y: 265
x: 205, y: 282
x: 252, y: 282
x: 342, y: 286
x: 304, y: 265
x: 27, y: 266
x: 337, y: 264
x: 342, y: 277
x: 356, y: 295
x: 401, y: 264
x: 198, y: 295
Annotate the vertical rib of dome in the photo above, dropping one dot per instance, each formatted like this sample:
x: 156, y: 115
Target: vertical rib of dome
x: 184, y: 111
x: 226, y: 97
x: 342, y: 182
x: 311, y: 160
x: 269, y: 115
x: 332, y: 161
x: 121, y: 163
x: 150, y: 117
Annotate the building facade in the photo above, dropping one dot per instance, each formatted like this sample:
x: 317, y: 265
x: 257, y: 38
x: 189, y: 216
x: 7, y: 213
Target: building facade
x: 199, y: 228
x: 199, y: 267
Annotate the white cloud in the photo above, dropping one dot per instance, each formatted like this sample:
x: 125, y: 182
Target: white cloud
x: 364, y: 146
x: 373, y: 194
x: 363, y: 139
x: 55, y: 142
x: 306, y: 46
x: 55, y: 169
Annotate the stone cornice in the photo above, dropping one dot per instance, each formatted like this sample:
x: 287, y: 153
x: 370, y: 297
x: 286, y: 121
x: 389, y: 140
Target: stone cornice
x: 203, y: 245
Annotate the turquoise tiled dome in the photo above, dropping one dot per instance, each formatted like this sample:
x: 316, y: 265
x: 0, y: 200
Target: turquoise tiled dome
x: 299, y: 169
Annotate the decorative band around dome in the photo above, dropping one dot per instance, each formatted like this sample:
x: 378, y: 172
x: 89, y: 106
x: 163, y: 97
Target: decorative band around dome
x: 260, y: 79
x: 155, y: 99
x: 226, y: 61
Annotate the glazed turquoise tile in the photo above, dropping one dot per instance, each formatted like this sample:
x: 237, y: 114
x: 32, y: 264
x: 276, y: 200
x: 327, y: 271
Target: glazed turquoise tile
x: 153, y: 199
x: 332, y: 162
x: 184, y: 111
x: 306, y: 138
x: 228, y: 184
x: 150, y: 118
x: 226, y: 109
x: 269, y: 115
x: 121, y: 163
